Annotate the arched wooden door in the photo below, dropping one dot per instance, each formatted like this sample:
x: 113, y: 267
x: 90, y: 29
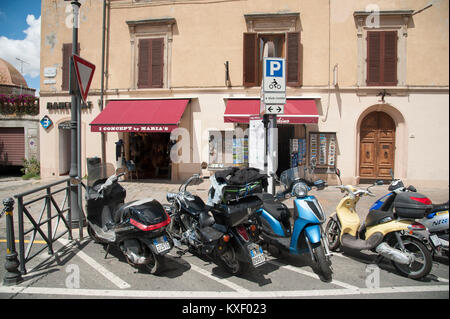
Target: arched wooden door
x: 377, y: 146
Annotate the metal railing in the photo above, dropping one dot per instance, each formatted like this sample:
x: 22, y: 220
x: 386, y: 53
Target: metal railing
x: 51, y: 215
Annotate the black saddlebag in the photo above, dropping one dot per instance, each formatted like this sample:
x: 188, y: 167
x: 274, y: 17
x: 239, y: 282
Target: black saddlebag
x: 411, y: 205
x: 237, y: 213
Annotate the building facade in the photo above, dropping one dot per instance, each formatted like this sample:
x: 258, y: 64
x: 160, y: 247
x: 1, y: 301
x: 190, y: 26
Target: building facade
x: 19, y: 131
x: 367, y: 85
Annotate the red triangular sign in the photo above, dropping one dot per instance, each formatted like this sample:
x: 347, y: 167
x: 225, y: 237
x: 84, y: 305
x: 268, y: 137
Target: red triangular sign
x: 85, y: 72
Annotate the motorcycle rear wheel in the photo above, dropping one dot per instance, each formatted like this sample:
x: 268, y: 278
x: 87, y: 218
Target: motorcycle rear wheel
x: 423, y: 259
x: 227, y: 259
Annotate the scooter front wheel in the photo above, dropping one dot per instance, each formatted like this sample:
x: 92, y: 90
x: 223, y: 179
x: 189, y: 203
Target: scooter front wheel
x: 333, y: 233
x: 322, y: 262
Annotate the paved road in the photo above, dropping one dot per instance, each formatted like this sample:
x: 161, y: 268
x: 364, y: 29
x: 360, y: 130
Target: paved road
x: 80, y: 269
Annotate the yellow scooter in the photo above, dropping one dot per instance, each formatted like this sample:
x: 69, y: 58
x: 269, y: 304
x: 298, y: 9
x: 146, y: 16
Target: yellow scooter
x: 384, y: 232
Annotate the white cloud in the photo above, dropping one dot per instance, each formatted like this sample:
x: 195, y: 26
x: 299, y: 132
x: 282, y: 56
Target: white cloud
x: 27, y: 49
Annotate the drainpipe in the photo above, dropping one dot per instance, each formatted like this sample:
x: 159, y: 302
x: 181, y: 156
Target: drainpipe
x: 103, y: 79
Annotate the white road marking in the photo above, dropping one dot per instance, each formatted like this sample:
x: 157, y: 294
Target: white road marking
x: 224, y: 282
x: 102, y: 270
x: 218, y: 294
x: 440, y: 279
x: 310, y: 274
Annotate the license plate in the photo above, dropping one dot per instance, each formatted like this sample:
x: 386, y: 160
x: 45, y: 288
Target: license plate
x: 436, y: 241
x: 161, y: 244
x: 257, y: 255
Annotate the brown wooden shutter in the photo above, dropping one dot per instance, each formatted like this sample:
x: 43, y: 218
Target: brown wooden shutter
x: 250, y: 59
x: 157, y: 63
x: 382, y: 58
x: 293, y: 59
x: 389, y: 70
x: 12, y: 146
x: 151, y: 63
x: 144, y: 63
x: 373, y: 58
x: 67, y: 53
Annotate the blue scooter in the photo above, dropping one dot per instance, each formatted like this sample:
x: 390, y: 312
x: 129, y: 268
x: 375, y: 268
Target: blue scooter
x: 306, y: 235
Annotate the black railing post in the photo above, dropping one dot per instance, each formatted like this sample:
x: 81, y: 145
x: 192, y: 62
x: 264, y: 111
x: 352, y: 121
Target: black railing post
x: 13, y: 275
x: 69, y: 213
x: 49, y: 223
x: 21, y: 235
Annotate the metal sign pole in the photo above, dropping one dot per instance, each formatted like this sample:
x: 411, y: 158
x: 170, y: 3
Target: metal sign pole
x: 74, y: 190
x: 273, y: 99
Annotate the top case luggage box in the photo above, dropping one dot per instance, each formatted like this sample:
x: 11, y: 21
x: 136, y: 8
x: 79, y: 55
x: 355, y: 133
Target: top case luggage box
x: 235, y: 214
x: 412, y: 205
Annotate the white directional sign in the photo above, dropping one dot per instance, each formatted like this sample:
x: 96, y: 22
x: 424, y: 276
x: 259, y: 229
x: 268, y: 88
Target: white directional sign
x: 274, y: 85
x: 275, y: 109
x: 84, y: 71
x: 274, y: 98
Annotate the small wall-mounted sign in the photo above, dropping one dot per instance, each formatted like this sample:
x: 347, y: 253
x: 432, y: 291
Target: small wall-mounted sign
x: 46, y: 122
x: 53, y: 81
x: 50, y: 72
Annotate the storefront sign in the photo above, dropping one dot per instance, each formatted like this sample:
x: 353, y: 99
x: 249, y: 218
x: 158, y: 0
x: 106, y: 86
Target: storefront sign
x: 133, y: 128
x: 66, y: 105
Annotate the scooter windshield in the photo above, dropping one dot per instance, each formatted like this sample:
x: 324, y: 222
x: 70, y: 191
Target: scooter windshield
x: 288, y: 177
x: 99, y: 171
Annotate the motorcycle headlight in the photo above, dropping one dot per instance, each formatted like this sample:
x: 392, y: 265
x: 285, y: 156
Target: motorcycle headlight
x: 300, y: 190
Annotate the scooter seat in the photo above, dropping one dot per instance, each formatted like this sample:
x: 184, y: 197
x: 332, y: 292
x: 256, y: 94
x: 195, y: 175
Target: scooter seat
x: 278, y: 210
x: 351, y: 242
x: 439, y: 207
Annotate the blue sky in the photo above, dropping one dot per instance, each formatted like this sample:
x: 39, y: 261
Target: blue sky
x: 20, y: 36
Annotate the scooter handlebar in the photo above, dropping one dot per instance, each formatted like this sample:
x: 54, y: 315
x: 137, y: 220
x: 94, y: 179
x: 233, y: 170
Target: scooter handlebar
x: 354, y: 191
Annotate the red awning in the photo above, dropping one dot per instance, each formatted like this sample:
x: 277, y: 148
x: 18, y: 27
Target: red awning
x: 296, y: 111
x: 140, y: 116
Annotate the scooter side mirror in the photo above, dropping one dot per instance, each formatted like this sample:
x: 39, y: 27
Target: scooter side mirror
x: 338, y: 172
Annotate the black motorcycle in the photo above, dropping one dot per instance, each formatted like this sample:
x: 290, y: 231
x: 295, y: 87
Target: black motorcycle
x: 223, y: 233
x: 137, y: 228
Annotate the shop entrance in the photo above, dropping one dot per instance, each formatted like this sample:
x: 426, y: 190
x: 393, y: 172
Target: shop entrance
x: 151, y: 154
x: 285, y: 133
x: 64, y: 148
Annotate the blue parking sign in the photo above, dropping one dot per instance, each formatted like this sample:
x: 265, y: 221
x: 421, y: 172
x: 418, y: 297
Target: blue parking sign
x: 46, y: 122
x: 274, y: 68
